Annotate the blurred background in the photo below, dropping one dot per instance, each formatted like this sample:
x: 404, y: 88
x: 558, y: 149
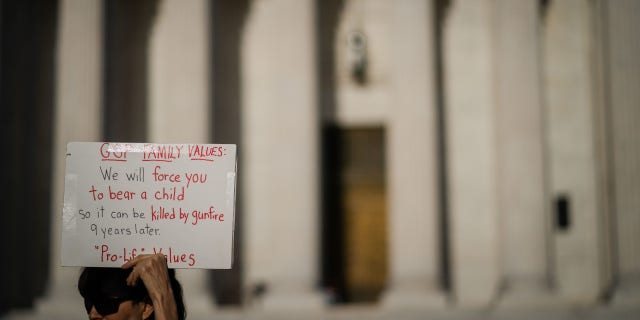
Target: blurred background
x: 402, y: 159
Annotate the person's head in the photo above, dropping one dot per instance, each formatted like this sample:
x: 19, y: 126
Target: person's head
x: 107, y: 295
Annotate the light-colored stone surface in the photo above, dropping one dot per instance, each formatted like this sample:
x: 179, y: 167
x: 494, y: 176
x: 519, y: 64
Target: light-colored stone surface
x: 280, y: 141
x: 179, y: 86
x: 573, y: 161
x: 78, y: 89
x: 501, y: 250
x: 366, y: 312
x: 371, y: 102
x: 520, y: 139
x: 624, y: 100
x: 179, y: 100
x: 413, y: 180
x: 471, y: 156
x: 524, y: 222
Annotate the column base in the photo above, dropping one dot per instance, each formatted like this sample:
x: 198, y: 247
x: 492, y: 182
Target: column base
x: 197, y: 298
x: 529, y: 295
x: 414, y: 299
x: 67, y: 306
x: 627, y: 292
x: 199, y: 305
x: 63, y: 298
x: 289, y: 301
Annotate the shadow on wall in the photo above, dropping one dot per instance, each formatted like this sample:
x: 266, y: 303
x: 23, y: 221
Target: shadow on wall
x: 28, y: 30
x: 227, y: 22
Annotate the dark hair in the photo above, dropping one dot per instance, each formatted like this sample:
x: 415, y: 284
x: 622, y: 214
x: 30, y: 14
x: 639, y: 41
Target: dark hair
x: 97, y: 282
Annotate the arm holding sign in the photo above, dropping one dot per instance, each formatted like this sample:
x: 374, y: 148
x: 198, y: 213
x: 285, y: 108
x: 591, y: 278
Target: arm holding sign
x: 144, y: 288
x: 154, y: 273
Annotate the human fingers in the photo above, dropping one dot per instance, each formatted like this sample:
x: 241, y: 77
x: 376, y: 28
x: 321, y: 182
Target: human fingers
x: 133, y: 277
x: 135, y: 274
x: 135, y: 261
x: 147, y: 267
x: 130, y: 263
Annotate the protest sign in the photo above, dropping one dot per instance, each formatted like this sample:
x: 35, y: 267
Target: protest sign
x: 127, y: 199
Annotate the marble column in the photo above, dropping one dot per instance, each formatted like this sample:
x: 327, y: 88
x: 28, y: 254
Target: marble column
x: 621, y: 22
x: 579, y: 257
x: 77, y: 112
x: 280, y: 141
x: 520, y: 153
x: 471, y: 144
x: 179, y: 101
x: 413, y: 181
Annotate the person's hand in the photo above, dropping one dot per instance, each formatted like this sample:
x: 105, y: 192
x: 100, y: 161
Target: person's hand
x: 152, y: 270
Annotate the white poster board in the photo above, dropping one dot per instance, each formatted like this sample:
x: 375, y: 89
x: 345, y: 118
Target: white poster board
x: 126, y: 199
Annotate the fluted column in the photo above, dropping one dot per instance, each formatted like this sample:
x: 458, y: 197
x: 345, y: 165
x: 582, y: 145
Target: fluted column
x: 280, y: 153
x: 413, y: 180
x: 77, y: 113
x: 179, y: 100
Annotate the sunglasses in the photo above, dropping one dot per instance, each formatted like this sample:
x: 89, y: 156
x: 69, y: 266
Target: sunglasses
x: 105, y: 306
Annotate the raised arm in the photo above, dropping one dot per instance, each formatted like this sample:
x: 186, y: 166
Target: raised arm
x: 153, y: 270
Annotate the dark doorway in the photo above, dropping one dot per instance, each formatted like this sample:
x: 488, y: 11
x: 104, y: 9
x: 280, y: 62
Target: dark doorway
x: 354, y: 212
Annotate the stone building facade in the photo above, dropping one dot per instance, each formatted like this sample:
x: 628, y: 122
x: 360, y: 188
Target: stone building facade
x: 409, y: 153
